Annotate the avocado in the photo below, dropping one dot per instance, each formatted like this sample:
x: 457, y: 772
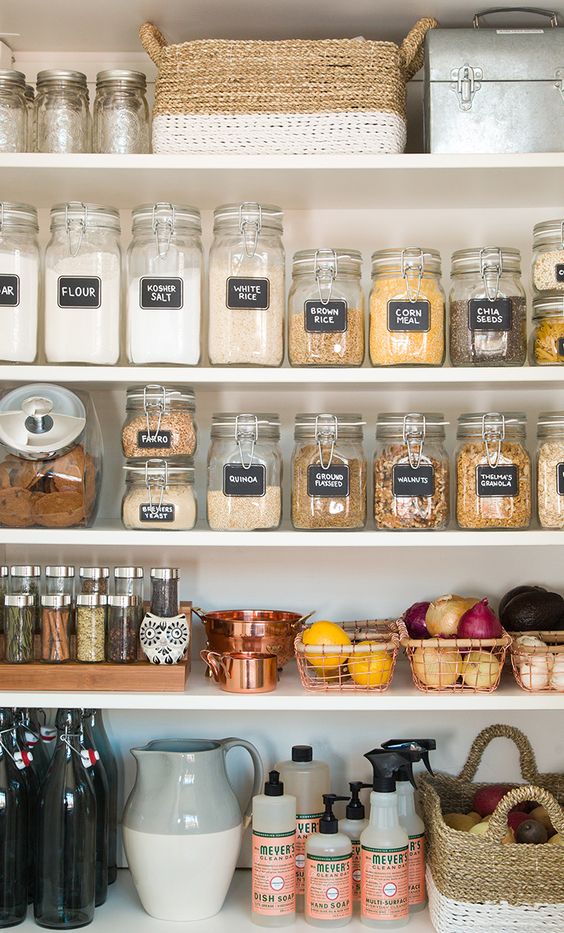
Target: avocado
x: 531, y: 832
x: 533, y: 610
x: 516, y: 591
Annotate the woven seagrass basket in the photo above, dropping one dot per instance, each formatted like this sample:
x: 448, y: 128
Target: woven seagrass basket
x: 290, y: 96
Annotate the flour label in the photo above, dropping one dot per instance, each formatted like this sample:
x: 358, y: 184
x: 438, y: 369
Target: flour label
x: 248, y: 293
x: 238, y: 481
x: 79, y: 291
x: 9, y: 291
x: 161, y: 293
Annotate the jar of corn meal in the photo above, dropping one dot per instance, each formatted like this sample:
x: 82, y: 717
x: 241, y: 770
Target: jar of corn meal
x: 493, y: 471
x: 550, y: 469
x: 326, y: 309
x: 547, y: 341
x: 159, y: 495
x: 159, y: 422
x: 548, y: 257
x: 407, y: 308
x: 246, y: 286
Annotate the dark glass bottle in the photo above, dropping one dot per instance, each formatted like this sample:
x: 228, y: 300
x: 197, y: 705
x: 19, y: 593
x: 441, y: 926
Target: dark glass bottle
x: 29, y: 736
x: 102, y: 791
x: 66, y: 849
x: 104, y: 748
x: 31, y: 781
x: 13, y: 836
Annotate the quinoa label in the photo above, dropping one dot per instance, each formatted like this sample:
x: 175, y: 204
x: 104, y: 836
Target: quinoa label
x: 79, y: 291
x: 9, y: 291
x: 248, y: 293
x: 497, y: 481
x: 411, y: 481
x: 488, y: 315
x: 328, y: 482
x: 560, y: 479
x: 330, y: 318
x: 156, y: 513
x: 238, y: 481
x: 409, y: 316
x: 160, y: 439
x: 161, y: 293
x: 560, y: 346
x: 559, y: 271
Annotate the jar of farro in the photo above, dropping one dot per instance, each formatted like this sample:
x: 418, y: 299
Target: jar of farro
x: 159, y: 422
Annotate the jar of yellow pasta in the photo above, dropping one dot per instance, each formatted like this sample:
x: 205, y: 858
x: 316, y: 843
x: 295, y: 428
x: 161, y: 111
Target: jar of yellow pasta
x: 547, y: 344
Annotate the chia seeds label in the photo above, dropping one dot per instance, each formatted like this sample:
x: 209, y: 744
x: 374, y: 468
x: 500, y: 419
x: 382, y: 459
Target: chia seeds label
x: 9, y: 291
x: 408, y: 481
x: 560, y: 346
x: 416, y: 870
x: 160, y: 439
x: 497, y: 481
x: 560, y: 479
x: 330, y: 318
x: 273, y: 873
x: 409, y: 316
x: 559, y: 272
x: 306, y: 825
x: 328, y: 887
x: 328, y: 482
x: 248, y: 293
x: 384, y: 883
x: 161, y: 293
x: 79, y: 291
x: 156, y: 513
x: 356, y: 869
x: 490, y: 315
x: 238, y: 481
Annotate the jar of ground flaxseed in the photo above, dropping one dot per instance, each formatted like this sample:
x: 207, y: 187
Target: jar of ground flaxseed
x: 159, y: 422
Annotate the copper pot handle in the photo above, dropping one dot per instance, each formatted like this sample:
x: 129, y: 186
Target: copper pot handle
x: 200, y: 613
x: 214, y: 660
x: 303, y: 619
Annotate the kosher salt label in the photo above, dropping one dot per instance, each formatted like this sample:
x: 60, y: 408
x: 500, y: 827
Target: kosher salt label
x: 79, y: 291
x: 160, y: 439
x: 248, y: 293
x: 409, y: 316
x: 413, y: 481
x: 161, y: 293
x: 238, y: 481
x: 330, y: 318
x: 9, y: 291
x: 497, y: 481
x: 156, y: 513
x: 328, y: 482
x: 560, y: 479
x: 490, y: 315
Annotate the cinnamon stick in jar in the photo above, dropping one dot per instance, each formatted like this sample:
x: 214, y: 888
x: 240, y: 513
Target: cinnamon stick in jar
x: 55, y: 628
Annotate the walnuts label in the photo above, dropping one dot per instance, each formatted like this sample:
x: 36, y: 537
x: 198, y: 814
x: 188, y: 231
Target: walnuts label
x: 413, y: 481
x: 409, y: 316
x: 497, y: 481
x: 327, y: 482
x: 238, y: 481
x: 487, y: 315
x: 330, y: 318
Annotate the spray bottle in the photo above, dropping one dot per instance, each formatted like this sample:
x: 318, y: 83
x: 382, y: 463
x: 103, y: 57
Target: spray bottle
x: 353, y: 825
x: 328, y: 872
x: 273, y: 866
x: 384, y: 846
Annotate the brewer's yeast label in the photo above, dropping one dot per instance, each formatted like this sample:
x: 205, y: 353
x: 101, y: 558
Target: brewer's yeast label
x: 497, y: 481
x: 273, y: 873
x: 560, y: 479
x: 9, y: 291
x: 241, y: 481
x: 158, y: 439
x: 488, y: 315
x: 248, y: 293
x: 416, y: 870
x: 161, y: 293
x: 559, y: 272
x: 412, y: 481
x: 328, y: 887
x: 306, y: 825
x: 79, y: 291
x: 330, y: 318
x: 328, y: 482
x: 156, y: 514
x: 384, y: 883
x: 409, y: 316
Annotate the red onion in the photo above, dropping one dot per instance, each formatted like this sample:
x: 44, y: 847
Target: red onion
x: 479, y: 622
x: 414, y: 619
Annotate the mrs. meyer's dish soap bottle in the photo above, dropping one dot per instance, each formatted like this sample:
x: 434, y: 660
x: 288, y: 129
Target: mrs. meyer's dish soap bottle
x: 274, y: 868
x: 328, y: 872
x: 353, y: 824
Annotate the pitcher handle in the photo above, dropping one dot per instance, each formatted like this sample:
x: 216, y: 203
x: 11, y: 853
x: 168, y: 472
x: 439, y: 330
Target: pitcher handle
x: 227, y: 744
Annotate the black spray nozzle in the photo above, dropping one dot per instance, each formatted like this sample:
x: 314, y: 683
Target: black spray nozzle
x: 355, y: 807
x: 274, y: 786
x: 425, y: 745
x: 388, y: 765
x: 328, y: 822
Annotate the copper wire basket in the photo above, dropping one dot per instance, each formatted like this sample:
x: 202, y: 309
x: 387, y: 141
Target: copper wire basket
x: 538, y: 669
x: 455, y: 665
x: 352, y: 668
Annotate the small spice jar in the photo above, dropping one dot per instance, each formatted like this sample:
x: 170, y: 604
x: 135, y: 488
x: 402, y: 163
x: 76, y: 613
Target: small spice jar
x: 550, y: 469
x: 328, y: 472
x: 19, y: 282
x: 91, y: 628
x: 164, y: 591
x: 59, y: 581
x: 159, y: 422
x: 56, y: 618
x: 407, y: 308
x: 246, y: 286
x: 326, y: 309
x: 124, y: 621
x: 548, y: 257
x: 411, y: 472
x: 244, y: 472
x: 94, y: 580
x: 488, y: 308
x: 493, y: 471
x: 26, y: 579
x: 128, y: 581
x: 19, y: 628
x: 121, y: 112
x: 547, y: 340
x: 13, y: 111
x: 159, y: 494
x: 62, y: 111
x: 164, y: 285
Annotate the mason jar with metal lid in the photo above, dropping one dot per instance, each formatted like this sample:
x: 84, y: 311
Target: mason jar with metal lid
x: 121, y: 112
x: 493, y: 471
x: 411, y: 471
x: 29, y: 94
x: 159, y: 422
x: 244, y: 472
x: 328, y: 472
x: 26, y: 579
x: 83, y: 285
x: 164, y: 285
x: 326, y: 309
x: 550, y: 469
x: 62, y: 111
x: 548, y: 257
x: 128, y: 581
x: 56, y: 624
x: 164, y: 591
x: 159, y: 495
x: 407, y: 308
x: 13, y: 111
x: 20, y: 611
x: 59, y: 580
x: 547, y: 338
x: 246, y: 286
x: 488, y: 308
x: 19, y: 282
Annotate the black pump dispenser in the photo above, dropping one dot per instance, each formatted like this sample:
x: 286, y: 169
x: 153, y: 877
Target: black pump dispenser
x: 355, y: 806
x: 274, y: 786
x: 329, y: 824
x: 424, y: 745
x: 386, y: 765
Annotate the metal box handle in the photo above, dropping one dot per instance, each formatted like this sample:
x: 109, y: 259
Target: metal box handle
x: 552, y: 15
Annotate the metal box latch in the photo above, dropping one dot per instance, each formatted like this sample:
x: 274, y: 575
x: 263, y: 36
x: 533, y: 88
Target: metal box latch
x: 465, y: 83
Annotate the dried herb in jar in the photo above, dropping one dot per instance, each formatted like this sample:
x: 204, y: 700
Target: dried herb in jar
x: 124, y: 620
x: 164, y: 593
x: 19, y: 626
x: 55, y: 628
x: 91, y: 628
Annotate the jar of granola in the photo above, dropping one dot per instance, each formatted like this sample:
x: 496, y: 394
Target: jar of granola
x: 550, y: 469
x: 493, y: 471
x: 548, y: 256
x: 159, y: 422
x: 407, y: 308
x: 411, y: 471
x: 547, y: 341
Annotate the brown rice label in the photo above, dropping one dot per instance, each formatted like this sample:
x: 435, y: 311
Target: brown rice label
x: 327, y: 482
x: 248, y: 293
x: 157, y: 514
x: 560, y: 479
x: 409, y: 316
x: 488, y: 315
x: 497, y: 481
x: 330, y: 318
x: 161, y: 293
x: 244, y: 481
x: 411, y: 481
x: 159, y: 439
x: 9, y: 291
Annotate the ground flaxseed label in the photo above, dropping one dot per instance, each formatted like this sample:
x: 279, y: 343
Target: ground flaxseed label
x: 328, y: 887
x: 306, y: 825
x: 273, y: 874
x: 384, y: 883
x: 328, y: 482
x: 416, y: 870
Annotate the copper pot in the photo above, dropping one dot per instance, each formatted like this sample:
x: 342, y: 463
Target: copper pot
x: 262, y: 631
x: 242, y: 671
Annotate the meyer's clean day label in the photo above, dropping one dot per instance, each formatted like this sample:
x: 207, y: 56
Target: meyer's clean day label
x: 9, y: 291
x: 79, y: 291
x: 490, y: 315
x: 497, y: 480
x: 328, y: 482
x: 158, y: 439
x: 409, y: 316
x: 248, y: 293
x: 156, y: 513
x: 241, y: 481
x: 413, y: 481
x: 160, y: 293
x: 330, y: 318
x: 560, y: 479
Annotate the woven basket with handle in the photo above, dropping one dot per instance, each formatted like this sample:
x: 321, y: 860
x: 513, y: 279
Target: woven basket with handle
x: 289, y: 96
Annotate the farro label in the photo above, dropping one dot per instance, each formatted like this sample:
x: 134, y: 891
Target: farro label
x: 306, y: 825
x: 560, y: 346
x: 79, y: 291
x: 9, y: 291
x: 330, y: 318
x: 159, y: 439
x: 156, y: 514
x: 384, y: 883
x: 411, y: 481
x: 560, y: 479
x: 239, y: 481
x: 161, y: 293
x: 328, y: 482
x: 328, y: 887
x: 248, y: 293
x: 274, y: 873
x: 490, y: 315
x: 497, y: 481
x: 559, y: 271
x: 409, y: 316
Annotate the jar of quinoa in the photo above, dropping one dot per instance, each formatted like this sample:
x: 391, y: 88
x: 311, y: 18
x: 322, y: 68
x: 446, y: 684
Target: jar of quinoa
x: 548, y: 256
x: 159, y: 422
x: 547, y: 342
x: 550, y: 469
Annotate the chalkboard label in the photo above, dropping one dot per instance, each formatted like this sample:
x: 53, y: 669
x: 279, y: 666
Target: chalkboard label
x: 156, y: 513
x: 409, y: 316
x: 497, y: 481
x: 560, y: 346
x: 328, y: 482
x: 159, y: 439
x: 9, y: 291
x: 248, y: 293
x: 238, y: 481
x: 559, y: 271
x: 410, y: 481
x: 161, y: 293
x: 79, y: 291
x: 325, y: 319
x: 560, y: 478
x: 490, y: 315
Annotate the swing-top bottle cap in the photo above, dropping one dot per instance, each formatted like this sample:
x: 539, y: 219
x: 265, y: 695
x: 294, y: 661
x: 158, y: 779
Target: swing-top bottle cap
x: 274, y: 786
x: 329, y: 824
x: 355, y: 807
x: 386, y: 765
x: 423, y: 745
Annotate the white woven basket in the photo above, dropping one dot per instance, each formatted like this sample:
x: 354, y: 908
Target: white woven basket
x: 449, y: 916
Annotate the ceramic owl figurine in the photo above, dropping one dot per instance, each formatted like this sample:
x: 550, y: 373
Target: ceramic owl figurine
x: 164, y: 641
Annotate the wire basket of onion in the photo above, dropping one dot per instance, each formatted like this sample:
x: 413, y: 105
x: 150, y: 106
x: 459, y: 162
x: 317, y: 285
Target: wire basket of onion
x: 455, y: 644
x: 537, y: 659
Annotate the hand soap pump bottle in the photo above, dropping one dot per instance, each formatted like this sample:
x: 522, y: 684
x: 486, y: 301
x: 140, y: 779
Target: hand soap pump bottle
x: 353, y: 825
x: 273, y: 865
x: 384, y: 901
x: 328, y: 872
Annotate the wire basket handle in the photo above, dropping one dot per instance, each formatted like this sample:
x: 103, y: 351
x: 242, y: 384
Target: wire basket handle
x: 529, y: 792
x: 152, y: 41
x: 526, y: 754
x: 412, y: 48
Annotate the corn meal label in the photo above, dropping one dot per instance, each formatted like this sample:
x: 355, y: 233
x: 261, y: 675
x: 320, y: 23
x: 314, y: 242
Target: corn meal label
x: 408, y: 481
x: 328, y: 482
x: 158, y: 439
x: 79, y: 291
x: 244, y: 481
x: 409, y: 316
x: 161, y: 293
x: 9, y: 291
x: 497, y: 481
x: 488, y: 315
x: 330, y: 318
x: 559, y: 271
x: 560, y: 479
x: 156, y: 514
x: 248, y: 293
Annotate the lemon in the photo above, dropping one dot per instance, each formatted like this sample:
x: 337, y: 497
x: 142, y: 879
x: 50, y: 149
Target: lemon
x: 325, y: 634
x: 370, y: 668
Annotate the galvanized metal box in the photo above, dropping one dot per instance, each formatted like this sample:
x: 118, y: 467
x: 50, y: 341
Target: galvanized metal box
x: 494, y: 90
